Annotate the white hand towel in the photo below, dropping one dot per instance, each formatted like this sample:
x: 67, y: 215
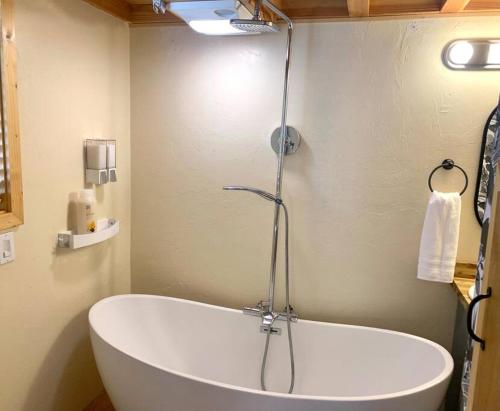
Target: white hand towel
x: 439, y: 242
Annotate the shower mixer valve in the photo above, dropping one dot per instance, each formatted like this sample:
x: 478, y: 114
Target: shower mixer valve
x: 261, y: 309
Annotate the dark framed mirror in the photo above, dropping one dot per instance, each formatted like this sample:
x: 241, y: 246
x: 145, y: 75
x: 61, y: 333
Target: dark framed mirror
x: 484, y: 165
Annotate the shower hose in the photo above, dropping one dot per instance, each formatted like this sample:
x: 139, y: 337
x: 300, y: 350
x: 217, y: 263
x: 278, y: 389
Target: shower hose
x: 288, y: 312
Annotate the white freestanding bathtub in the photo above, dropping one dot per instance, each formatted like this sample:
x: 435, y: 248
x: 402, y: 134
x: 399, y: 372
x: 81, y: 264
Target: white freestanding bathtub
x: 165, y: 354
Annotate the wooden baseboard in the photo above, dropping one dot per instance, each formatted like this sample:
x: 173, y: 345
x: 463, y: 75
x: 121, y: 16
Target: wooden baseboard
x: 101, y: 403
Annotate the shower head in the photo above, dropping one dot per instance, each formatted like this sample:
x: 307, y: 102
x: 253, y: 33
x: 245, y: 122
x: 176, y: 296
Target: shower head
x: 261, y: 193
x: 255, y: 26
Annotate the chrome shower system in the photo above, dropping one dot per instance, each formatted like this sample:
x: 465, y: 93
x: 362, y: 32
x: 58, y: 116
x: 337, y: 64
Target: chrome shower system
x: 286, y: 144
x: 224, y: 17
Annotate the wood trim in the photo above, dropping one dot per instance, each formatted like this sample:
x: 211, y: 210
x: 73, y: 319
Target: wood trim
x: 466, y: 270
x: 117, y: 8
x: 358, y: 8
x: 15, y: 214
x: 345, y: 17
x: 484, y: 392
x: 454, y: 6
x: 313, y: 14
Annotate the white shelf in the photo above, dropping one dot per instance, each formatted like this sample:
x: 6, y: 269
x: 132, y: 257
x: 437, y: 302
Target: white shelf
x: 66, y: 239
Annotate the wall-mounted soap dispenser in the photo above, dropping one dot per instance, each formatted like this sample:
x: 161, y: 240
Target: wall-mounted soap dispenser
x: 111, y: 160
x: 100, y: 161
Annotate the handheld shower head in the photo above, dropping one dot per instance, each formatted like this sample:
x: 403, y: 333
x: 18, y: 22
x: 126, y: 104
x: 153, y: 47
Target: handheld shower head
x: 261, y: 193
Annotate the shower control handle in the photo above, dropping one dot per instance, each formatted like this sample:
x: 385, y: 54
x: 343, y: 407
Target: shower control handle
x: 262, y: 309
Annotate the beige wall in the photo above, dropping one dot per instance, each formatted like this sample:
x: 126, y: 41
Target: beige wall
x: 377, y: 110
x: 73, y: 84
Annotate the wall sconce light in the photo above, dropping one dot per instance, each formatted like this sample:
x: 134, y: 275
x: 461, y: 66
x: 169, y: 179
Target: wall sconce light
x: 100, y: 161
x: 473, y: 54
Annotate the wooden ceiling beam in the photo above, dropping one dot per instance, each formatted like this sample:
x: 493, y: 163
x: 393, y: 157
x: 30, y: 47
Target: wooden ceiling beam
x: 358, y: 8
x: 397, y: 10
x: 483, y: 6
x: 314, y: 14
x: 117, y: 8
x: 454, y: 6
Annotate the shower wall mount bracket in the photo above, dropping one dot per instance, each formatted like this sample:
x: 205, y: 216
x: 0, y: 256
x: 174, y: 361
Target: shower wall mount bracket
x: 292, y: 143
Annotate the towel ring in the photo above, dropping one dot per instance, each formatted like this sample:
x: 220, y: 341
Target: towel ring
x: 448, y: 164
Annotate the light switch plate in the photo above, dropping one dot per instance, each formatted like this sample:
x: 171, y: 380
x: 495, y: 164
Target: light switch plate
x: 7, y: 253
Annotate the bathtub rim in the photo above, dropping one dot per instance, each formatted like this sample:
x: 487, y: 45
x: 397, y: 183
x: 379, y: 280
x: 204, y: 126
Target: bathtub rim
x: 440, y: 378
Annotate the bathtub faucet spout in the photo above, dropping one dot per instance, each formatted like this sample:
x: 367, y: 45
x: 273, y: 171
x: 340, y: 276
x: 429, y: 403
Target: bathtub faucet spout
x: 257, y: 310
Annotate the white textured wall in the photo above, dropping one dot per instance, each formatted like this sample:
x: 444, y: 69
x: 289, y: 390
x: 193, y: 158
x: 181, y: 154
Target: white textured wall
x: 377, y: 110
x: 74, y: 84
